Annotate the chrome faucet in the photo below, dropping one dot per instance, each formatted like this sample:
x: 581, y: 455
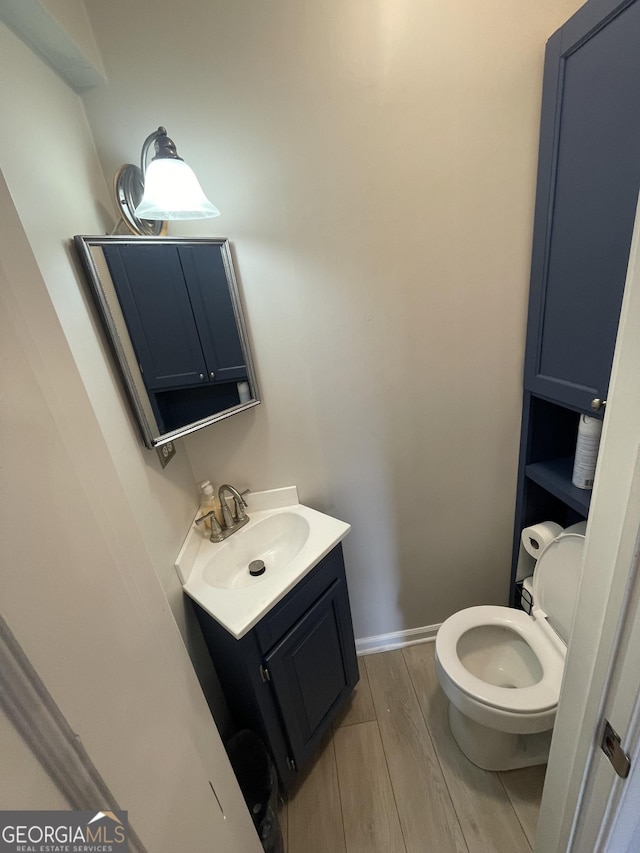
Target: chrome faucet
x: 230, y: 523
x: 240, y: 517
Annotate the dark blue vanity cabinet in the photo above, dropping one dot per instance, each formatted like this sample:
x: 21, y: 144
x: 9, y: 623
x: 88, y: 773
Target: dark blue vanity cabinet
x: 289, y: 675
x: 180, y: 316
x: 587, y: 192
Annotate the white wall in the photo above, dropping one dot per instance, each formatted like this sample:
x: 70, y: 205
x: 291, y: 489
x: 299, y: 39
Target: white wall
x: 50, y: 165
x: 52, y: 170
x: 375, y: 167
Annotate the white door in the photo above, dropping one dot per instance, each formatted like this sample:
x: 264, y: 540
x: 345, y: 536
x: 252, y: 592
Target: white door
x: 602, y: 672
x: 608, y: 817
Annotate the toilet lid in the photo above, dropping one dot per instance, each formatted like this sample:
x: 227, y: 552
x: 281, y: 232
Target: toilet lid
x: 556, y: 579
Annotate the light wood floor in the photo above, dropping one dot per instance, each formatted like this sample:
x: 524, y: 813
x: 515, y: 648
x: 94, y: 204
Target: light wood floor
x: 391, y: 779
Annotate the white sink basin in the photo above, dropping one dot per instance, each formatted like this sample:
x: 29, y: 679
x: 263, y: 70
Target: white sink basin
x: 275, y: 539
x: 287, y: 536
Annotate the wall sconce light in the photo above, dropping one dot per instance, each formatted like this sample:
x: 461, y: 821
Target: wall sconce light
x: 165, y: 189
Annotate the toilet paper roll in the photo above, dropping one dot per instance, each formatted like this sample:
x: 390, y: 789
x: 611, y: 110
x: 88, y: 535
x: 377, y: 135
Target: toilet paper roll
x: 536, y: 538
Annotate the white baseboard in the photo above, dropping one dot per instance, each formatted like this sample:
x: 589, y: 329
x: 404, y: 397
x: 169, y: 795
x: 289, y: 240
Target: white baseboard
x: 396, y: 640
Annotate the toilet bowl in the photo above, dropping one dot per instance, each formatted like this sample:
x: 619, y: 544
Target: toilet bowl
x: 501, y: 669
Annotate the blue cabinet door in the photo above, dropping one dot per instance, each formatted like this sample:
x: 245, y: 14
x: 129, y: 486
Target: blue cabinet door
x: 588, y: 182
x: 157, y: 310
x: 206, y: 281
x: 313, y: 669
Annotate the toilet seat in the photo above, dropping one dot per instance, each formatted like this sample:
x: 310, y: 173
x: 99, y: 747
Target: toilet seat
x: 539, y: 697
x: 556, y: 579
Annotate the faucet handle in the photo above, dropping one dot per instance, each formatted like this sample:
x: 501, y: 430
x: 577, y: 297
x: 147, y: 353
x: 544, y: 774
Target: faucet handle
x: 216, y: 530
x: 203, y: 518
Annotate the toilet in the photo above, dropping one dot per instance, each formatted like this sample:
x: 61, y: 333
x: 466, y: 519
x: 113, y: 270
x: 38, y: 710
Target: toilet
x: 501, y: 668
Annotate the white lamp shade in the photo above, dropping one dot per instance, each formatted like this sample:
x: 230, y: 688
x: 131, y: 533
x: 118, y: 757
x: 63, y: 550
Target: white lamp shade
x: 172, y: 191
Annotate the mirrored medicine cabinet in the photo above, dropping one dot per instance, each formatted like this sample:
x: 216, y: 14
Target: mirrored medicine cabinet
x: 174, y: 319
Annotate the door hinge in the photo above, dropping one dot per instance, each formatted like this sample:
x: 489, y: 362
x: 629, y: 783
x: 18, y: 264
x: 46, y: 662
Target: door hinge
x: 264, y: 674
x: 610, y: 745
x: 291, y: 763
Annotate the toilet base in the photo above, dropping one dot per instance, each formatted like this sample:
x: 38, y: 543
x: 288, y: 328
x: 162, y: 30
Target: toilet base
x: 493, y: 750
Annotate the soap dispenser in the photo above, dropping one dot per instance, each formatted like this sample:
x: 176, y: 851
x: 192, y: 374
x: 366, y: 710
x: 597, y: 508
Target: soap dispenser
x: 208, y: 501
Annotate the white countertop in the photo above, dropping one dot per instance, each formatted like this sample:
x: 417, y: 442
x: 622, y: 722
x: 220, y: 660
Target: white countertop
x: 239, y: 607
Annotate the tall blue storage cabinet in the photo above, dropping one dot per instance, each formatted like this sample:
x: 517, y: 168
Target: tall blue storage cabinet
x: 587, y: 192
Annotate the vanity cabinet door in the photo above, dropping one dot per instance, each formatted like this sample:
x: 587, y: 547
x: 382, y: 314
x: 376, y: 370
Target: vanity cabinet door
x: 313, y: 669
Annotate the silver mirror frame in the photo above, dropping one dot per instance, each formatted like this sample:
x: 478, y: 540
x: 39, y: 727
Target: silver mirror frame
x: 111, y: 315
